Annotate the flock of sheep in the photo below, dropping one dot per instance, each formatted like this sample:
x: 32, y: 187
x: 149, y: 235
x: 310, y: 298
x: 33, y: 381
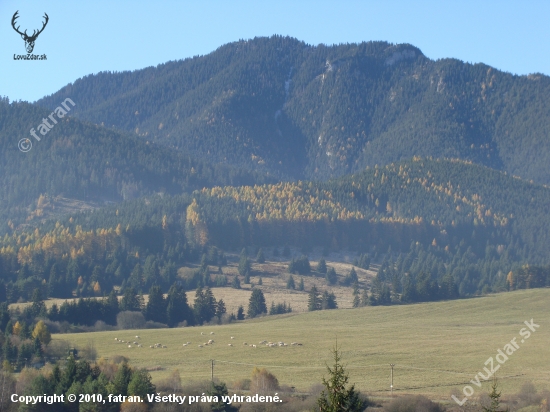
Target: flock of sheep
x: 209, y: 342
x: 129, y: 343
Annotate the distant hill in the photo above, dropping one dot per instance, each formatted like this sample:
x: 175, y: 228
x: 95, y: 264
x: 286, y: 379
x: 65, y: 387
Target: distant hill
x: 299, y: 111
x: 457, y: 223
x: 78, y: 160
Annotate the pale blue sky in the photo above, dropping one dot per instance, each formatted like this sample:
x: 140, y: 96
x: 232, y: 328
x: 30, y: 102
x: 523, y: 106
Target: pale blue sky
x: 86, y: 37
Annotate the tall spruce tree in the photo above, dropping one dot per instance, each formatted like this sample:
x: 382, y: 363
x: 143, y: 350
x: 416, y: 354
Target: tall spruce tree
x: 322, y: 266
x: 313, y: 301
x: 155, y: 309
x: 256, y: 304
x: 337, y: 397
x: 177, y: 309
x: 130, y: 301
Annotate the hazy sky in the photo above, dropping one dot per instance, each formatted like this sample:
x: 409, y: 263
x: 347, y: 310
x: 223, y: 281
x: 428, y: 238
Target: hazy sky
x: 84, y: 37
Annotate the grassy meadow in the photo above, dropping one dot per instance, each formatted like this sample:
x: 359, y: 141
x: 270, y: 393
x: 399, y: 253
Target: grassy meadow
x: 436, y: 347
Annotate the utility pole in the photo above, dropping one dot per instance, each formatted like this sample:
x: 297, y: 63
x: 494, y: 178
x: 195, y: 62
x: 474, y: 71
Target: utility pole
x: 212, y: 374
x: 391, y: 386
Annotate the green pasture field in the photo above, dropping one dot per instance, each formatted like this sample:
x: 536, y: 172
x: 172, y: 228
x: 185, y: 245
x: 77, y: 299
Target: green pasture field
x: 437, y: 348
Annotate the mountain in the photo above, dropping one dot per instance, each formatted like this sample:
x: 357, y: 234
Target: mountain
x: 297, y: 111
x: 76, y: 160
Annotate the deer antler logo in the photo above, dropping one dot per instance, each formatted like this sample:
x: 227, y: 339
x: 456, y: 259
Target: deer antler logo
x: 29, y: 40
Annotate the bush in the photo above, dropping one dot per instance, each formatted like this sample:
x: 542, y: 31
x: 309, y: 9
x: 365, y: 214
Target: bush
x: 57, y: 349
x: 410, y: 403
x: 263, y: 382
x: 119, y: 359
x: 155, y: 325
x: 130, y: 320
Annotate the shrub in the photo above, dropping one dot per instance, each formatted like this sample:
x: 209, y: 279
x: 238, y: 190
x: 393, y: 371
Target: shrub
x: 130, y: 320
x: 263, y: 382
x: 410, y: 403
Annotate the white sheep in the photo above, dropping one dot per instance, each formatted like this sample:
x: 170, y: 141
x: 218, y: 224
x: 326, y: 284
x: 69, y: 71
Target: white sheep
x: 211, y: 333
x: 137, y: 337
x: 229, y: 344
x: 202, y: 333
x: 210, y: 341
x: 253, y: 346
x: 232, y: 337
x: 129, y: 346
x: 200, y: 346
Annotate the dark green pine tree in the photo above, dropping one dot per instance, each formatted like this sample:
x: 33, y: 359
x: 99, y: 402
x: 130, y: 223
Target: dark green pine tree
x: 260, y: 258
x: 130, y: 300
x: 204, y: 306
x: 177, y: 309
x: 236, y: 283
x: 385, y: 295
x: 111, y: 308
x: 38, y: 305
x: 337, y: 397
x: 240, y: 313
x: 331, y: 276
x: 322, y: 266
x: 141, y: 384
x: 364, y: 298
x: 220, y: 309
x: 352, y: 277
x: 301, y: 284
x: 122, y: 378
x: 155, y: 309
x: 244, y: 266
x: 356, y: 297
x: 495, y: 399
x: 219, y: 390
x: 313, y: 301
x: 198, y: 306
x: 211, y: 304
x: 256, y: 304
x: 328, y: 301
x: 290, y: 283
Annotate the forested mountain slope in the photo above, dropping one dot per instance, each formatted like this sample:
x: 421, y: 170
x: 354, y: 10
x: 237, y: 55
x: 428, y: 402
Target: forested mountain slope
x: 277, y: 104
x: 461, y: 225
x: 83, y: 161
